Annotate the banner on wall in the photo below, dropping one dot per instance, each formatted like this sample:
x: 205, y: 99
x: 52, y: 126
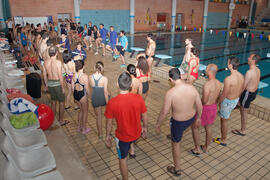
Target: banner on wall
x: 18, y: 20
x: 50, y: 19
x: 35, y: 20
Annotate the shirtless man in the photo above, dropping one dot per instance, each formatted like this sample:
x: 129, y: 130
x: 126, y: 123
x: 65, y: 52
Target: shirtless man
x: 233, y: 87
x: 52, y: 74
x: 250, y: 89
x: 149, y: 52
x: 184, y: 66
x: 42, y: 49
x: 211, y: 92
x: 182, y: 116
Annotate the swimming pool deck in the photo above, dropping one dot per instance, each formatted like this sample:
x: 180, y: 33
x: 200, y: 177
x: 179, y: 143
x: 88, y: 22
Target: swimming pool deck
x: 244, y: 157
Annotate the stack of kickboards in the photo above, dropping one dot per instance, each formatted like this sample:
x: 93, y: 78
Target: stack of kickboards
x: 28, y: 156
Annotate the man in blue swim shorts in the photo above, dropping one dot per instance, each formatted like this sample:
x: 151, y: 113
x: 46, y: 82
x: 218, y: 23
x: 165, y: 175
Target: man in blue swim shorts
x: 233, y: 87
x: 113, y: 39
x: 185, y: 103
x: 103, y: 33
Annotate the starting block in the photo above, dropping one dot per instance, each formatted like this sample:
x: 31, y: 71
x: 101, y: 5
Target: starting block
x: 202, y: 67
x: 135, y: 50
x: 261, y: 86
x: 161, y: 57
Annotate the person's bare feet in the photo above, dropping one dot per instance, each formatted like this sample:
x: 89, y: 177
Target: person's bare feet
x: 204, y: 149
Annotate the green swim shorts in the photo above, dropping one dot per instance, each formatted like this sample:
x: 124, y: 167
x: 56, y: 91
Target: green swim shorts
x: 55, y: 90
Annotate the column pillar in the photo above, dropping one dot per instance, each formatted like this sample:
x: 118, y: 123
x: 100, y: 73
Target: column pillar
x: 231, y: 8
x: 173, y: 15
x: 250, y: 11
x: 202, y: 44
x: 205, y: 13
x: 268, y: 4
x: 132, y: 16
x: 77, y: 10
x: 2, y: 20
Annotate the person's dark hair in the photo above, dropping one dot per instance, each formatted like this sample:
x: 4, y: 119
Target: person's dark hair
x: 95, y: 27
x: 102, y: 25
x: 131, y: 69
x: 19, y: 30
x: 38, y: 24
x: 99, y: 66
x: 35, y: 33
x: 49, y: 42
x: 234, y: 61
x: 79, y: 65
x: 66, y: 56
x: 124, y: 81
x: 65, y: 33
x: 111, y: 27
x: 27, y: 24
x: 79, y: 43
x: 256, y: 58
x: 174, y: 73
x: 150, y: 35
x: 195, y: 51
x: 122, y: 31
x: 44, y: 35
x: 52, y: 50
x: 143, y: 65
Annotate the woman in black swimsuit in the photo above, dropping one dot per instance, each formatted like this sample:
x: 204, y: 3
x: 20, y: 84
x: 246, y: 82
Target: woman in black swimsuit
x: 80, y: 91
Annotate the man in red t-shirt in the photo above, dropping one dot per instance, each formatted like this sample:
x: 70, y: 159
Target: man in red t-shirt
x: 127, y: 109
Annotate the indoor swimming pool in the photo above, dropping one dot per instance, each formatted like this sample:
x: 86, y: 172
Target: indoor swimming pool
x: 215, y: 48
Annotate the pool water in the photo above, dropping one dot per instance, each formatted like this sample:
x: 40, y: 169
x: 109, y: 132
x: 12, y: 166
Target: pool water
x: 214, y: 48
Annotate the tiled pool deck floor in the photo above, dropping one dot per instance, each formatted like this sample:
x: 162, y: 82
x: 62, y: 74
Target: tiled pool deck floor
x: 244, y: 158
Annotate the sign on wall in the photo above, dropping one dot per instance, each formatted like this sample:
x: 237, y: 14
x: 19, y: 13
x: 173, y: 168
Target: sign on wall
x: 18, y: 20
x: 35, y: 20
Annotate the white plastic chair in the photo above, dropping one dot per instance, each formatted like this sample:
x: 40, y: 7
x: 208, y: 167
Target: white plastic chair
x: 31, y: 163
x: 10, y: 173
x: 5, y: 122
x: 24, y: 141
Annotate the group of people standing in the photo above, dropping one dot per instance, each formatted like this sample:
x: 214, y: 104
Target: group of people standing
x: 128, y: 107
x: 189, y: 109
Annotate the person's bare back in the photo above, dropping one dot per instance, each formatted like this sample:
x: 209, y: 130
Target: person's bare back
x: 53, y: 68
x: 235, y: 83
x: 136, y: 86
x: 213, y: 89
x: 183, y: 100
x: 253, y: 76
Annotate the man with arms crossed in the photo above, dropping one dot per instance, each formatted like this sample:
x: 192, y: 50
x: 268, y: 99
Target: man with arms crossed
x: 128, y: 120
x: 185, y: 103
x: 233, y: 87
x: 52, y: 74
x: 211, y: 92
x: 252, y: 80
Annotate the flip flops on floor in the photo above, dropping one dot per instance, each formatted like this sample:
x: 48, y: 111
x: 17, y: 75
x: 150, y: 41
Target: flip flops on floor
x: 63, y: 123
x: 237, y: 132
x: 172, y: 170
x: 195, y: 153
x: 217, y: 140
